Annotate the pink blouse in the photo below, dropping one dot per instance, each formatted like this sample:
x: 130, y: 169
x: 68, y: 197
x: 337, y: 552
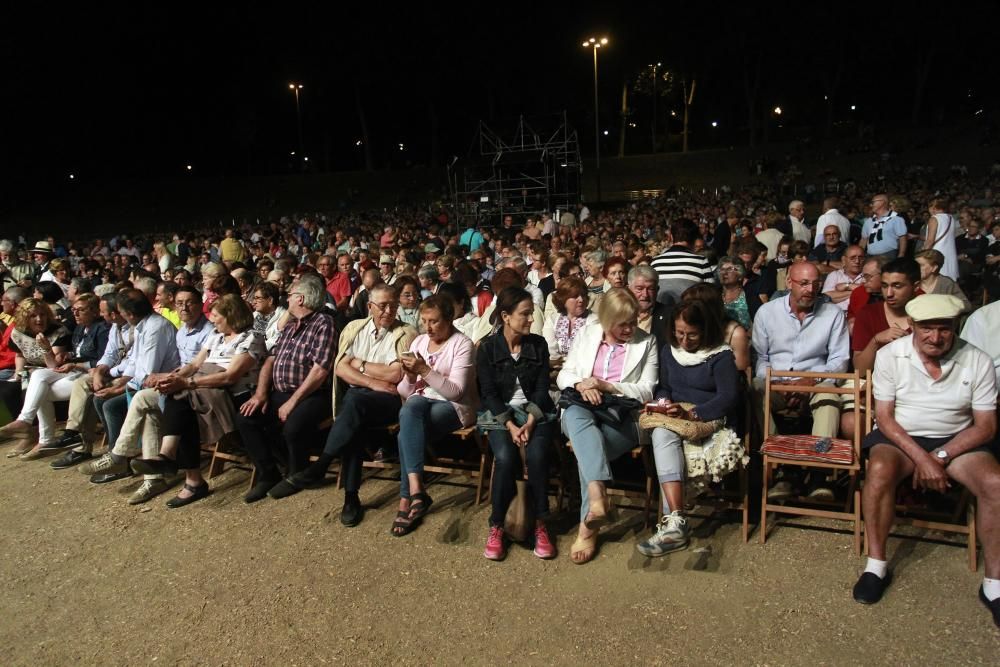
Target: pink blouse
x: 609, y: 362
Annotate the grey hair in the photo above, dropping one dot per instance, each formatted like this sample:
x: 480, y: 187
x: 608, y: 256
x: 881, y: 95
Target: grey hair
x: 643, y: 271
x: 596, y: 256
x: 518, y: 264
x: 81, y: 285
x: 735, y: 262
x: 6, y: 245
x: 313, y: 291
x: 146, y: 285
x: 429, y: 272
x: 17, y: 294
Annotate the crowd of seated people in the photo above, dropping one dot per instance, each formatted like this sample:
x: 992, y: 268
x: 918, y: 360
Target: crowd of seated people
x: 298, y: 337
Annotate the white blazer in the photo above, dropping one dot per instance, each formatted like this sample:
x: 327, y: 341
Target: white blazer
x: 639, y: 375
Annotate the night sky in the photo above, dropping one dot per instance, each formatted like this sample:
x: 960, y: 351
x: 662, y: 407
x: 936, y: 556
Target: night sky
x: 140, y: 92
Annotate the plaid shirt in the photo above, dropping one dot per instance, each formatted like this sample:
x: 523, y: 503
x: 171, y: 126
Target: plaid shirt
x: 302, y: 344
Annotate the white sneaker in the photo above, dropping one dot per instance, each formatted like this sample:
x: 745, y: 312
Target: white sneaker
x: 672, y: 534
x: 149, y: 488
x: 780, y: 491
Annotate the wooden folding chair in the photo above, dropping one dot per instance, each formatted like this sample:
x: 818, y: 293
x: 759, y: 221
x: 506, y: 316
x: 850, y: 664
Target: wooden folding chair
x: 926, y: 518
x: 556, y: 485
x: 450, y: 465
x: 222, y: 453
x: 740, y: 500
x: 776, y: 452
x: 646, y: 491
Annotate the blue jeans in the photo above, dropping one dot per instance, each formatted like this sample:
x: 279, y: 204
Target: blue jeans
x: 112, y: 412
x: 421, y: 420
x: 509, y: 468
x: 596, y: 444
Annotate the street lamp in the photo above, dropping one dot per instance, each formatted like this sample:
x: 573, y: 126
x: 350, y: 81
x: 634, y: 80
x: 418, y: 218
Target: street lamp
x: 295, y: 88
x: 655, y: 80
x: 594, y: 43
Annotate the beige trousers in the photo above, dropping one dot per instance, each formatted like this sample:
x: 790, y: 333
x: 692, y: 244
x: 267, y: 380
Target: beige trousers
x: 142, y: 423
x: 825, y: 410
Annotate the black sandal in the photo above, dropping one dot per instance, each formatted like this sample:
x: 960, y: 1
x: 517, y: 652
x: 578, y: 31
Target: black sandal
x: 420, y: 505
x: 402, y: 525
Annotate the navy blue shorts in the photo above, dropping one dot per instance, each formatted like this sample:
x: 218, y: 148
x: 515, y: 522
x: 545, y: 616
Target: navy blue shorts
x: 928, y: 444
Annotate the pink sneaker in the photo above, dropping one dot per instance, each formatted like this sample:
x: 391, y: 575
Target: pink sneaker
x: 543, y: 545
x: 495, y: 549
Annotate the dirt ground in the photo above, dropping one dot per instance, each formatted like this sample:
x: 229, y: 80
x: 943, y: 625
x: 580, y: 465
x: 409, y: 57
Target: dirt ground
x: 91, y: 580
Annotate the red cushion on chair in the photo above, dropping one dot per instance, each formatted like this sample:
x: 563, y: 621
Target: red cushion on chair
x: 802, y: 448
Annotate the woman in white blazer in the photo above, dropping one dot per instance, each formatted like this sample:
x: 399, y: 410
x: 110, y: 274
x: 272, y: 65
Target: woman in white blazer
x: 613, y: 356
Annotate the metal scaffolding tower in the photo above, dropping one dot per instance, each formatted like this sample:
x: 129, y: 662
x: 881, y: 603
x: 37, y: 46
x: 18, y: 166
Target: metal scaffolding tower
x: 527, y: 172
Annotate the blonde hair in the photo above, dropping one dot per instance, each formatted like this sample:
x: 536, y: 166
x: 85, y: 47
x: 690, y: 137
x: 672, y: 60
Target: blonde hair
x: 617, y: 306
x: 22, y: 316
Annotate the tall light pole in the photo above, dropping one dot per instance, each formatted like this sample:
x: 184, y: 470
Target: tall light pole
x: 656, y: 77
x: 593, y: 43
x: 295, y: 88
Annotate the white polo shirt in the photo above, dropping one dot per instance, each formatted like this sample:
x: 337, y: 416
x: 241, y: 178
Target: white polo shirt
x: 931, y: 408
x: 379, y: 349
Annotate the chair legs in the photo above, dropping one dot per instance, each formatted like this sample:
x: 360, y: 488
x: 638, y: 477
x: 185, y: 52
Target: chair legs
x: 763, y: 502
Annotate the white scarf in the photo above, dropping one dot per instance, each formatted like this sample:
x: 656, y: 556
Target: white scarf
x: 685, y: 358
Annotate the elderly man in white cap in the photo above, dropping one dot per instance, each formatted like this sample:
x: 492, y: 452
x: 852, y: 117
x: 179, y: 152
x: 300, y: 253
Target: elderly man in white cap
x: 935, y: 409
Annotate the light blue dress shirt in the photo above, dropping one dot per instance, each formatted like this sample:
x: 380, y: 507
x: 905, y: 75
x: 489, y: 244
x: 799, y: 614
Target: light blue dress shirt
x: 819, y: 343
x: 190, y: 340
x: 154, y: 350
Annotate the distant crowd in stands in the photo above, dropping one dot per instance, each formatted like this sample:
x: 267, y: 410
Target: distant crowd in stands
x: 525, y: 329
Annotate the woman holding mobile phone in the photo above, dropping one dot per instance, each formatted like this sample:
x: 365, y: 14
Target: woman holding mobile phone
x: 439, y: 396
x: 696, y: 367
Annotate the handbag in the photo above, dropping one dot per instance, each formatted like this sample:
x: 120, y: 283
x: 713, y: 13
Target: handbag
x: 711, y: 450
x: 687, y: 429
x: 519, y: 521
x: 612, y: 410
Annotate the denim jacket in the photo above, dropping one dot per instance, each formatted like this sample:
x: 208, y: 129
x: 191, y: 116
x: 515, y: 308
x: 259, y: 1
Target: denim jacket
x: 91, y: 343
x: 497, y: 370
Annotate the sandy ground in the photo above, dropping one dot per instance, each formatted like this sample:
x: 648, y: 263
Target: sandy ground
x: 90, y: 580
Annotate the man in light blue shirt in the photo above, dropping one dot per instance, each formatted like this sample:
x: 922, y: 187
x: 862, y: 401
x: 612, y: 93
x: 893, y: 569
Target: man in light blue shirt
x: 884, y: 234
x: 140, y: 432
x: 798, y: 333
x: 154, y: 350
x: 195, y: 327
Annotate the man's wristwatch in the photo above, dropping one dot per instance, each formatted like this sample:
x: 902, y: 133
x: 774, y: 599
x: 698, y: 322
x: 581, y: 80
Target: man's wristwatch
x: 361, y: 368
x: 942, y: 456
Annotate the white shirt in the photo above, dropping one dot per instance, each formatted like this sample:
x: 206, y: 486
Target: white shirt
x: 981, y: 330
x: 222, y: 353
x: 839, y: 276
x: 377, y: 348
x: 799, y: 230
x: 929, y: 408
x: 832, y: 217
x: 945, y: 245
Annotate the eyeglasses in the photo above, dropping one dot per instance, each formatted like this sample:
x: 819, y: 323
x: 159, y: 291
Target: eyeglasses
x: 729, y: 269
x: 80, y: 310
x: 388, y: 306
x: 808, y: 283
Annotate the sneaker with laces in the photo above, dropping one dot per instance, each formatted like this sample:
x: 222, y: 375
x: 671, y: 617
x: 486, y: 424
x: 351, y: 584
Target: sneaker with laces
x: 105, y: 464
x: 672, y: 534
x: 543, y: 544
x: 149, y: 489
x: 495, y: 548
x: 780, y: 491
